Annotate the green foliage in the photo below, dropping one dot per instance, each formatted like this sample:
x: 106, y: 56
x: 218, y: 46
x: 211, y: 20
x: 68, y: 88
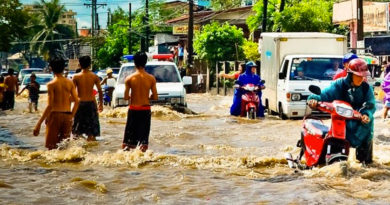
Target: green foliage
x: 251, y: 51
x: 297, y: 16
x: 12, y: 22
x: 254, y: 21
x: 116, y: 44
x: 117, y: 39
x: 49, y: 29
x: 307, y: 15
x: 225, y: 4
x: 219, y: 42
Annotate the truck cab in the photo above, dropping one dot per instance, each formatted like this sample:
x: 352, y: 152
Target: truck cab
x: 296, y: 74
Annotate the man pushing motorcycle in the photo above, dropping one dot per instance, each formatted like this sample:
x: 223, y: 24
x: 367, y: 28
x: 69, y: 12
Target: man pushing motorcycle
x: 248, y: 77
x: 354, y: 90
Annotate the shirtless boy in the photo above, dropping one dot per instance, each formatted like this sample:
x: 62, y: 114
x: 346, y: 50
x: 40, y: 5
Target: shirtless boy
x: 12, y: 88
x: 33, y: 92
x: 58, y: 114
x: 139, y: 115
x: 86, y: 120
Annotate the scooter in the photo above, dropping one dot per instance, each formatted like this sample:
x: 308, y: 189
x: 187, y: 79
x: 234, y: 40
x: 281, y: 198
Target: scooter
x: 249, y: 100
x: 106, y: 97
x: 322, y: 145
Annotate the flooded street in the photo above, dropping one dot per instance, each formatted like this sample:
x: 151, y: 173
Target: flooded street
x: 206, y: 158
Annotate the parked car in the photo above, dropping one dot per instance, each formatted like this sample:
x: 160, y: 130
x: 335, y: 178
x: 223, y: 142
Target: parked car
x: 41, y: 78
x: 170, y: 86
x: 5, y: 73
x: 26, y: 71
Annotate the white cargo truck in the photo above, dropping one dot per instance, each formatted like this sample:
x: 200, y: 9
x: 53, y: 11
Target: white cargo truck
x: 290, y: 62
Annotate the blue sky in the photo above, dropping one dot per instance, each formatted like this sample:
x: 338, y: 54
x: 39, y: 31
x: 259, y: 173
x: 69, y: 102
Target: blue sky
x: 84, y: 14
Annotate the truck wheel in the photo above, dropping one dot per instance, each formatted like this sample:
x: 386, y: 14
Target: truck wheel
x: 281, y: 115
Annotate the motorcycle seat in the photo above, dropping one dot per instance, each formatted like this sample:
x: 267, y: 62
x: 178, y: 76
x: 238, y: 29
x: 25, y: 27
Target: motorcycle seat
x: 319, y: 125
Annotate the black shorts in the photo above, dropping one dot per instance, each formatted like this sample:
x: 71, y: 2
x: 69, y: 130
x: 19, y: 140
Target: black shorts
x: 86, y: 120
x: 181, y: 58
x: 33, y: 100
x: 137, y: 128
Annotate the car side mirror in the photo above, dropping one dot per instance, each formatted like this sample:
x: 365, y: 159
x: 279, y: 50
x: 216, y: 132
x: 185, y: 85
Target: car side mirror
x: 315, y: 89
x: 187, y: 80
x: 282, y: 76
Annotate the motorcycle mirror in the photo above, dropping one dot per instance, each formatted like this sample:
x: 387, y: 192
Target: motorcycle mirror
x: 366, y: 106
x: 377, y: 84
x: 315, y: 89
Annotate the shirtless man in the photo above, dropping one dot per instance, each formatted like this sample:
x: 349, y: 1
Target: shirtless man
x: 139, y: 115
x: 58, y: 114
x: 86, y: 120
x: 12, y: 88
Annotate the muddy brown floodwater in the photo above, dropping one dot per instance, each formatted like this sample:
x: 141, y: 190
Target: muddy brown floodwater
x: 207, y: 158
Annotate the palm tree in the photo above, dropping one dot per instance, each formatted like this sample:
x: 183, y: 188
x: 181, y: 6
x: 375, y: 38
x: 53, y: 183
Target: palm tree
x: 49, y: 29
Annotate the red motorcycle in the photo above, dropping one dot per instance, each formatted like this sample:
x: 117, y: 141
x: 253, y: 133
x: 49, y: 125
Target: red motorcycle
x: 249, y: 100
x: 322, y: 145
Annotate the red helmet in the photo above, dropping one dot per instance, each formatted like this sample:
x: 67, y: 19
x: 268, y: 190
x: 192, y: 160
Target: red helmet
x: 358, y: 67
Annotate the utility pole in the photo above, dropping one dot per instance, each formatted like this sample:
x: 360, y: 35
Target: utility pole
x: 360, y: 33
x: 147, y: 25
x: 109, y: 17
x: 130, y: 50
x: 190, y: 34
x: 264, y: 23
x: 94, y: 17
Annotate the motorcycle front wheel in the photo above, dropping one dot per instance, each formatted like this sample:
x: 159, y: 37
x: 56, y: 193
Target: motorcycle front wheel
x: 251, y: 114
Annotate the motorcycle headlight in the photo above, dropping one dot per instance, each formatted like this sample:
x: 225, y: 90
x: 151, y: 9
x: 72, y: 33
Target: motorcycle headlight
x: 345, y: 112
x: 295, y: 97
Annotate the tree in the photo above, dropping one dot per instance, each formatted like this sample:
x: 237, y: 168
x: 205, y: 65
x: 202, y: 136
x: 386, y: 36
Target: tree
x: 219, y: 42
x: 255, y: 21
x: 12, y: 22
x: 307, y: 15
x: 117, y: 42
x: 251, y: 50
x: 225, y: 4
x: 49, y: 29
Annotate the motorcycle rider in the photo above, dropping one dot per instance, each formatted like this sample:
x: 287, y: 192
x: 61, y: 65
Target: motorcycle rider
x: 109, y: 84
x: 248, y: 77
x: 346, y: 59
x: 354, y: 90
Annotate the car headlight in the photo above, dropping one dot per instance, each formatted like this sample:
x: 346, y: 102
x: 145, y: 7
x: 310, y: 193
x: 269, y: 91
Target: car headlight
x: 345, y: 112
x: 295, y: 97
x: 175, y: 100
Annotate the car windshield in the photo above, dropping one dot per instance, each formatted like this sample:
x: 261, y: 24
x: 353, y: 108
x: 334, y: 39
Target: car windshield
x: 162, y: 73
x: 315, y: 68
x: 115, y: 70
x: 42, y: 80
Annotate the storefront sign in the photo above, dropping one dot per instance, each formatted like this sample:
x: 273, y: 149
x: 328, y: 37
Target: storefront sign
x: 375, y: 17
x: 183, y: 29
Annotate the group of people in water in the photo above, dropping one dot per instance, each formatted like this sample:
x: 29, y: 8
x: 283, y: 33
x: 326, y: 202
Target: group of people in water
x: 62, y: 119
x: 82, y: 119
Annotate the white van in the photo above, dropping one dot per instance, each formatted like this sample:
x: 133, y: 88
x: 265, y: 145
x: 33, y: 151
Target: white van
x: 290, y: 62
x: 170, y: 86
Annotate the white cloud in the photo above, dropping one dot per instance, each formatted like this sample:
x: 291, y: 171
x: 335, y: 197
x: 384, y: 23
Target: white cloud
x: 83, y: 22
